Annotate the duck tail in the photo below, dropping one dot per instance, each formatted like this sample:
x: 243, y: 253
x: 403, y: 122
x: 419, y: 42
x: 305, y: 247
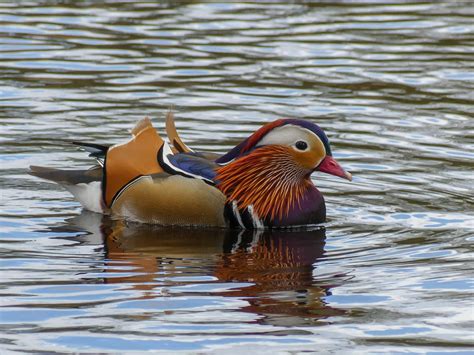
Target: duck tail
x: 42, y: 172
x: 84, y: 185
x: 67, y: 177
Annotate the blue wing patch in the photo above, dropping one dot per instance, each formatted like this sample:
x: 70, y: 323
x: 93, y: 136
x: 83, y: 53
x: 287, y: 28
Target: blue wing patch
x: 189, y: 164
x: 194, y: 164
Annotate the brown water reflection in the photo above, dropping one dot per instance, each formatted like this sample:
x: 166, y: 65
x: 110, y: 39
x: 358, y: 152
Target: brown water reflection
x: 274, y: 268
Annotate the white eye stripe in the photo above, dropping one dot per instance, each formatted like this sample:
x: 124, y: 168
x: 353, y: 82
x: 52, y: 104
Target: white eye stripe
x: 286, y: 135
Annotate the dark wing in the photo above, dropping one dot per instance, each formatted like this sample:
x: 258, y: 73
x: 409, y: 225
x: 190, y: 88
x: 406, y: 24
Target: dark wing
x: 193, y: 165
x: 97, y: 151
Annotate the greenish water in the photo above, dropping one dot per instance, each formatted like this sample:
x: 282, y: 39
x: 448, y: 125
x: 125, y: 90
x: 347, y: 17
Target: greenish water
x: 392, y: 84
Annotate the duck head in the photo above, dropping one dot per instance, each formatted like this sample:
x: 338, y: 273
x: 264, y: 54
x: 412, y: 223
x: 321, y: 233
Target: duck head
x: 267, y: 176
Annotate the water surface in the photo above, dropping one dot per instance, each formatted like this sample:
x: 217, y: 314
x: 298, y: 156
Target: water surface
x: 390, y: 82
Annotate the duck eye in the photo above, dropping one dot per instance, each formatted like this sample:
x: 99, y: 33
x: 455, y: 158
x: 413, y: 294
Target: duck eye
x: 301, y: 145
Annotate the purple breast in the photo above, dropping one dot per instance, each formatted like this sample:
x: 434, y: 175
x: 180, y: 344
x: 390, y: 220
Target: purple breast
x: 310, y: 210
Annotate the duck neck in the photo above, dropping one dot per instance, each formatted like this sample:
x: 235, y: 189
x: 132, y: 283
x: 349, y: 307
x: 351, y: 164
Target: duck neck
x: 267, y: 184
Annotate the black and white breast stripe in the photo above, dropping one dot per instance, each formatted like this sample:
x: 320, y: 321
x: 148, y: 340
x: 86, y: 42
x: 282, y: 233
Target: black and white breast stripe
x: 246, y: 219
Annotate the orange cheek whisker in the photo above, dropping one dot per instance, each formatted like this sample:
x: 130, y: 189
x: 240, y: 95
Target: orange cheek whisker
x: 268, y: 179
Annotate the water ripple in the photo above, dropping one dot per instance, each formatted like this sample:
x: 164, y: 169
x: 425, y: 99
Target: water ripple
x: 390, y: 82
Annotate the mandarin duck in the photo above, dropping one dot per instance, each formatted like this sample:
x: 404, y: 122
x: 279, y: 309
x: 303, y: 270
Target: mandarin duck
x: 262, y: 182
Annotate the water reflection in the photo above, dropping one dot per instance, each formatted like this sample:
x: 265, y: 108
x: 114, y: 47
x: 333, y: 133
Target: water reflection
x: 390, y: 82
x: 271, y: 270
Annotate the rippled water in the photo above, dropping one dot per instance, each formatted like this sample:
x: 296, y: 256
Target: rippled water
x: 392, y: 84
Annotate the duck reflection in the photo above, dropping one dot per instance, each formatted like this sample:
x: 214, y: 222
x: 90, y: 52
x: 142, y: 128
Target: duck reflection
x: 272, y: 270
